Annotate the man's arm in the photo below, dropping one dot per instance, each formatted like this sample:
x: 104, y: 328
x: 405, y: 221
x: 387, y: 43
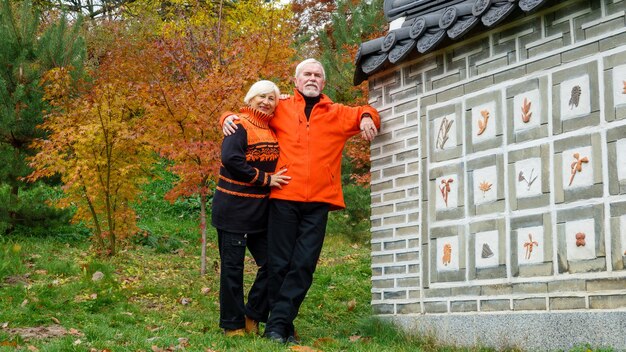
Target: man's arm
x: 368, y: 127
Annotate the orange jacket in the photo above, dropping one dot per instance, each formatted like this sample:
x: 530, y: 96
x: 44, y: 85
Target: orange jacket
x: 311, y: 151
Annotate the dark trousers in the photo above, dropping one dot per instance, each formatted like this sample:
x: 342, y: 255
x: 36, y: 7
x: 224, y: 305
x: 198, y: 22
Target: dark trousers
x: 232, y: 247
x: 295, y: 237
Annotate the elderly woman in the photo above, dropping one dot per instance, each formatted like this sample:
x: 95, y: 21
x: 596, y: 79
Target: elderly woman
x: 240, y: 209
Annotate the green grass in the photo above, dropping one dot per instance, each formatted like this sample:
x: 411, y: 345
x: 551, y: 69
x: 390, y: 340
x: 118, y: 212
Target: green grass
x: 138, y: 302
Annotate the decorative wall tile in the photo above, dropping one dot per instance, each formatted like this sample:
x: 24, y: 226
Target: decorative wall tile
x: 448, y: 192
x: 575, y: 97
x: 530, y: 245
x: 445, y: 131
x: 448, y: 251
x: 529, y: 178
x: 486, y: 250
x: 484, y: 122
x: 485, y: 185
x: 580, y: 238
x: 577, y: 168
x: 619, y: 85
x: 527, y: 110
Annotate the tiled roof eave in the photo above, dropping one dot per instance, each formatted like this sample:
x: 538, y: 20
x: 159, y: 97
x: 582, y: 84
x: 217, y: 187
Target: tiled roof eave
x: 428, y: 31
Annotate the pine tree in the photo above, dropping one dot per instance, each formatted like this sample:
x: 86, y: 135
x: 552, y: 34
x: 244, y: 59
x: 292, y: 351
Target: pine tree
x: 28, y: 49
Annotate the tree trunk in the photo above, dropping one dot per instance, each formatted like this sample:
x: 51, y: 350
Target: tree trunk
x: 203, y: 231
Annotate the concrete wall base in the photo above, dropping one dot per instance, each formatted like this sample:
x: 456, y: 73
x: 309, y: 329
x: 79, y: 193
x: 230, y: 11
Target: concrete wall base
x: 527, y: 331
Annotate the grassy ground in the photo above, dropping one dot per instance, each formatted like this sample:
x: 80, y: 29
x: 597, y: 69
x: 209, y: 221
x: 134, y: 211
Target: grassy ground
x: 152, y: 298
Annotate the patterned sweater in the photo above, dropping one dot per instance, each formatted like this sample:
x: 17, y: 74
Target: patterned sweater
x: 249, y: 157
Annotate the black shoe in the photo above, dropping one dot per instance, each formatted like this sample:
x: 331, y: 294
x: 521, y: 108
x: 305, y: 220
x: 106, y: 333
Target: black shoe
x: 292, y: 340
x: 274, y: 336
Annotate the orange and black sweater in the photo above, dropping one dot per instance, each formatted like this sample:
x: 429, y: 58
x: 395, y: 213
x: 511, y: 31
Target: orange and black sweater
x: 249, y: 157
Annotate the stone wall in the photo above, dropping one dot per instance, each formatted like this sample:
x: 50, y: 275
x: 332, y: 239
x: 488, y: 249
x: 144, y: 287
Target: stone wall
x: 499, y: 179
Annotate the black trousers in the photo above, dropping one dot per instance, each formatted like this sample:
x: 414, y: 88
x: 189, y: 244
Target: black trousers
x: 295, y: 237
x: 232, y: 247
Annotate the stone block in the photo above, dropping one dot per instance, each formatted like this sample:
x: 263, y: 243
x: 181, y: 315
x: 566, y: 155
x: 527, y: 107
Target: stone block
x: 449, y: 78
x: 606, y: 284
x: 493, y: 305
x: 554, y: 44
x: 608, y: 43
x: 527, y: 288
x: 497, y: 290
x: 537, y: 303
x: 405, y: 107
x: 377, y: 296
x: 450, y: 94
x: 380, y: 309
x: 408, y: 308
x: 407, y: 257
x: 391, y: 196
x: 510, y: 74
x: 463, y: 306
x: 395, y: 270
x: 394, y: 220
x: 393, y: 245
x: 543, y: 64
x: 600, y: 29
x: 382, y: 234
x: 394, y: 171
x: 437, y: 293
x: 384, y: 283
x: 488, y: 65
x: 560, y: 303
x: 394, y: 295
x: 580, y: 52
x: 575, y: 285
x: 465, y: 291
x: 408, y: 282
x: 382, y: 259
x: 607, y: 302
x: 435, y: 307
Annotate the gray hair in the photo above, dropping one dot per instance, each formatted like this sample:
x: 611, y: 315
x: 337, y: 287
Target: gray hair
x: 261, y: 87
x: 300, y: 67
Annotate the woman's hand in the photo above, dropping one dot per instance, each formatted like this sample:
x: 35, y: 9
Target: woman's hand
x: 278, y: 179
x: 229, y: 127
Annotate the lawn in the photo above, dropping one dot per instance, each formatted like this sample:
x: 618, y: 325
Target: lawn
x: 56, y: 295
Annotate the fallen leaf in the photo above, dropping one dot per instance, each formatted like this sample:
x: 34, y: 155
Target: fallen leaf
x: 351, y: 305
x: 97, y: 276
x: 323, y: 340
x: 8, y: 343
x: 75, y: 332
x: 300, y: 348
x: 24, y: 303
x: 41, y: 272
x: 55, y: 320
x: 93, y: 296
x: 205, y: 290
x: 77, y: 342
x: 184, y: 301
x: 355, y: 338
x: 32, y: 348
x: 5, y: 325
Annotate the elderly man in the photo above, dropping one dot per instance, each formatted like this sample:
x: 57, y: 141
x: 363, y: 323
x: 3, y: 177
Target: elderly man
x: 311, y: 132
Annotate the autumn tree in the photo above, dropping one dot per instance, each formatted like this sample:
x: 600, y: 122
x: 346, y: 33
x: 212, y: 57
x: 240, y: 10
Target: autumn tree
x: 351, y: 23
x: 200, y: 67
x: 29, y: 47
x: 97, y: 143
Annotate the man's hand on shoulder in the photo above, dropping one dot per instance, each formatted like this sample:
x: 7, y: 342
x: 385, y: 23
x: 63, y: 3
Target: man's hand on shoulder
x: 229, y: 127
x: 368, y: 128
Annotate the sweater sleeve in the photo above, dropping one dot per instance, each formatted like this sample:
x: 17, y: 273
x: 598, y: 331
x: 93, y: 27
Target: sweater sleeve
x: 234, y: 159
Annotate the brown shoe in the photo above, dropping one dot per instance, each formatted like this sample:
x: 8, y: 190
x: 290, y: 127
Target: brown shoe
x: 235, y: 332
x: 252, y: 326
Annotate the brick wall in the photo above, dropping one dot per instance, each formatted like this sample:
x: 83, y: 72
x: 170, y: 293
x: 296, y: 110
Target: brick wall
x: 514, y: 182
